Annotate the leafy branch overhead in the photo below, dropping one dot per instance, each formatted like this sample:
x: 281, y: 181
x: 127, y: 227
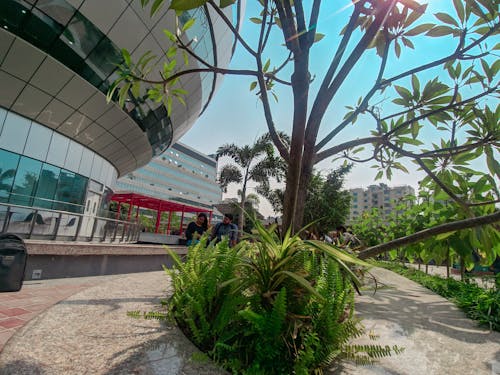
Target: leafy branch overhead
x: 439, y: 111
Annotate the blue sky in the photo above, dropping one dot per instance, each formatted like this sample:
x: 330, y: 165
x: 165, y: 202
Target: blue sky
x: 235, y: 114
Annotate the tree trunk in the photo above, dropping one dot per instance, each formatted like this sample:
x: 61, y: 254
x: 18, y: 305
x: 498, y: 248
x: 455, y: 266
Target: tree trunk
x: 292, y: 214
x: 241, y: 217
x: 448, y: 262
x: 462, y: 269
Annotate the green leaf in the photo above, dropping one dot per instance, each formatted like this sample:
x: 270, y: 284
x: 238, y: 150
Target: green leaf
x: 397, y: 49
x: 415, y: 83
x: 440, y: 31
x: 446, y: 18
x: 404, y: 93
x: 407, y: 42
x: 459, y: 7
x: 302, y: 282
x: 256, y: 20
x: 410, y: 141
x: 169, y: 35
x: 126, y: 57
x: 318, y: 37
x: 187, y: 4
x: 252, y: 85
x: 226, y: 3
x: 189, y: 23
x: 135, y: 89
x: 156, y: 5
x: 419, y: 29
x: 171, y: 51
x: 493, y: 164
x: 266, y: 65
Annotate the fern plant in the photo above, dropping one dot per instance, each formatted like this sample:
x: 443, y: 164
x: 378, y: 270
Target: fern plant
x: 270, y: 306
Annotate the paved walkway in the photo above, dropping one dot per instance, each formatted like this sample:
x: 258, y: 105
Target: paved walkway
x: 89, y: 332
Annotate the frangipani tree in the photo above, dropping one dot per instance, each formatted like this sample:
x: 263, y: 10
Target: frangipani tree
x: 452, y: 96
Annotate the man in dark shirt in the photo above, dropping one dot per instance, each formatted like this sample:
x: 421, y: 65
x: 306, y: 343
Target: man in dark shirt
x: 226, y: 228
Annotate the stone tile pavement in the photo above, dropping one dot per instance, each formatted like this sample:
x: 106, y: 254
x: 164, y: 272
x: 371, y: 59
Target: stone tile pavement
x: 18, y: 308
x: 80, y: 326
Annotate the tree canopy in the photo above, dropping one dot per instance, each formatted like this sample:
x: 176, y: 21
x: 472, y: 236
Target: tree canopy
x: 451, y: 95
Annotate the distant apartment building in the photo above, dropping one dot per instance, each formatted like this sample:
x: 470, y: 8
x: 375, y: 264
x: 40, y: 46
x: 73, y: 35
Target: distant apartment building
x: 379, y: 196
x: 179, y: 174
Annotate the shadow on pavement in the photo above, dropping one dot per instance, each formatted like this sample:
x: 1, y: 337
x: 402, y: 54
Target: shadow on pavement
x: 22, y: 368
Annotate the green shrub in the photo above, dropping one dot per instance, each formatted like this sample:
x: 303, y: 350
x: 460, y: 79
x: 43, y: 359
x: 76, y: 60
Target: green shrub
x: 269, y: 306
x: 478, y: 303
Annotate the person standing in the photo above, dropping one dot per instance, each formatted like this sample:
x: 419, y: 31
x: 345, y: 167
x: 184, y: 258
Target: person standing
x: 226, y: 228
x: 195, y: 229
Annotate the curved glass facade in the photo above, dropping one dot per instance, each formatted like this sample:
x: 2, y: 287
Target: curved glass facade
x: 60, y: 30
x: 41, y: 168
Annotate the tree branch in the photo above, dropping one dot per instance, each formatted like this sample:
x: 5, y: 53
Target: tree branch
x: 427, y: 233
x: 363, y: 104
x: 431, y: 174
x: 229, y: 24
x: 345, y: 146
x: 455, y: 55
x: 430, y: 113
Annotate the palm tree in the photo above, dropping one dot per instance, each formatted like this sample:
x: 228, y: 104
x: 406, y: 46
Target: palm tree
x: 255, y: 162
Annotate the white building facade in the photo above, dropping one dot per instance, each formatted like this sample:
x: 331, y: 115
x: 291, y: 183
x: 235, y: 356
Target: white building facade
x: 382, y: 197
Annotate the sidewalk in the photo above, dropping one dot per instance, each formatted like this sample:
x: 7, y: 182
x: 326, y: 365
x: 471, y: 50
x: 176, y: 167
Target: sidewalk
x: 90, y: 333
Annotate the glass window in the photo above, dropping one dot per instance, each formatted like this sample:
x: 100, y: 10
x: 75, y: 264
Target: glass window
x: 41, y: 30
x: 96, y: 168
x: 12, y: 13
x: 47, y: 186
x: 86, y: 163
x: 8, y: 167
x: 74, y: 156
x: 104, y: 57
x: 38, y: 142
x: 81, y: 35
x: 14, y: 133
x: 26, y: 181
x: 60, y: 11
x: 70, y: 192
x: 3, y: 114
x: 58, y: 149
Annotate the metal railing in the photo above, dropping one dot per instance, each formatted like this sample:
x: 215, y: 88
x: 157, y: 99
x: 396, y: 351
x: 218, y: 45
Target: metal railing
x: 47, y: 224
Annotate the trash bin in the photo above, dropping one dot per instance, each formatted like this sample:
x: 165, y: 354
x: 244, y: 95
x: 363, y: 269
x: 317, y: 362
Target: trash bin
x: 13, y: 258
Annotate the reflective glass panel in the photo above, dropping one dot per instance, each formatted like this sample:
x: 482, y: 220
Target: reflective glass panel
x: 58, y: 149
x: 60, y: 10
x: 47, y: 186
x: 26, y: 181
x: 41, y: 30
x: 104, y: 57
x: 3, y: 114
x: 81, y: 35
x: 8, y: 167
x: 12, y: 13
x: 74, y: 156
x: 14, y: 133
x: 70, y: 192
x: 38, y: 142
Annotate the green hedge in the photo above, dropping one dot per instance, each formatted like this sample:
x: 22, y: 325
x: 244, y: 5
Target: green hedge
x: 478, y: 303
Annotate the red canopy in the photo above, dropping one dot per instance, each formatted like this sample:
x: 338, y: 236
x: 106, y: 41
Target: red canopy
x: 159, y: 205
x: 156, y: 204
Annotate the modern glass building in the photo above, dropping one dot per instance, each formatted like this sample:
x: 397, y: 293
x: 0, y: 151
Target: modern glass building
x: 180, y: 174
x: 62, y: 146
